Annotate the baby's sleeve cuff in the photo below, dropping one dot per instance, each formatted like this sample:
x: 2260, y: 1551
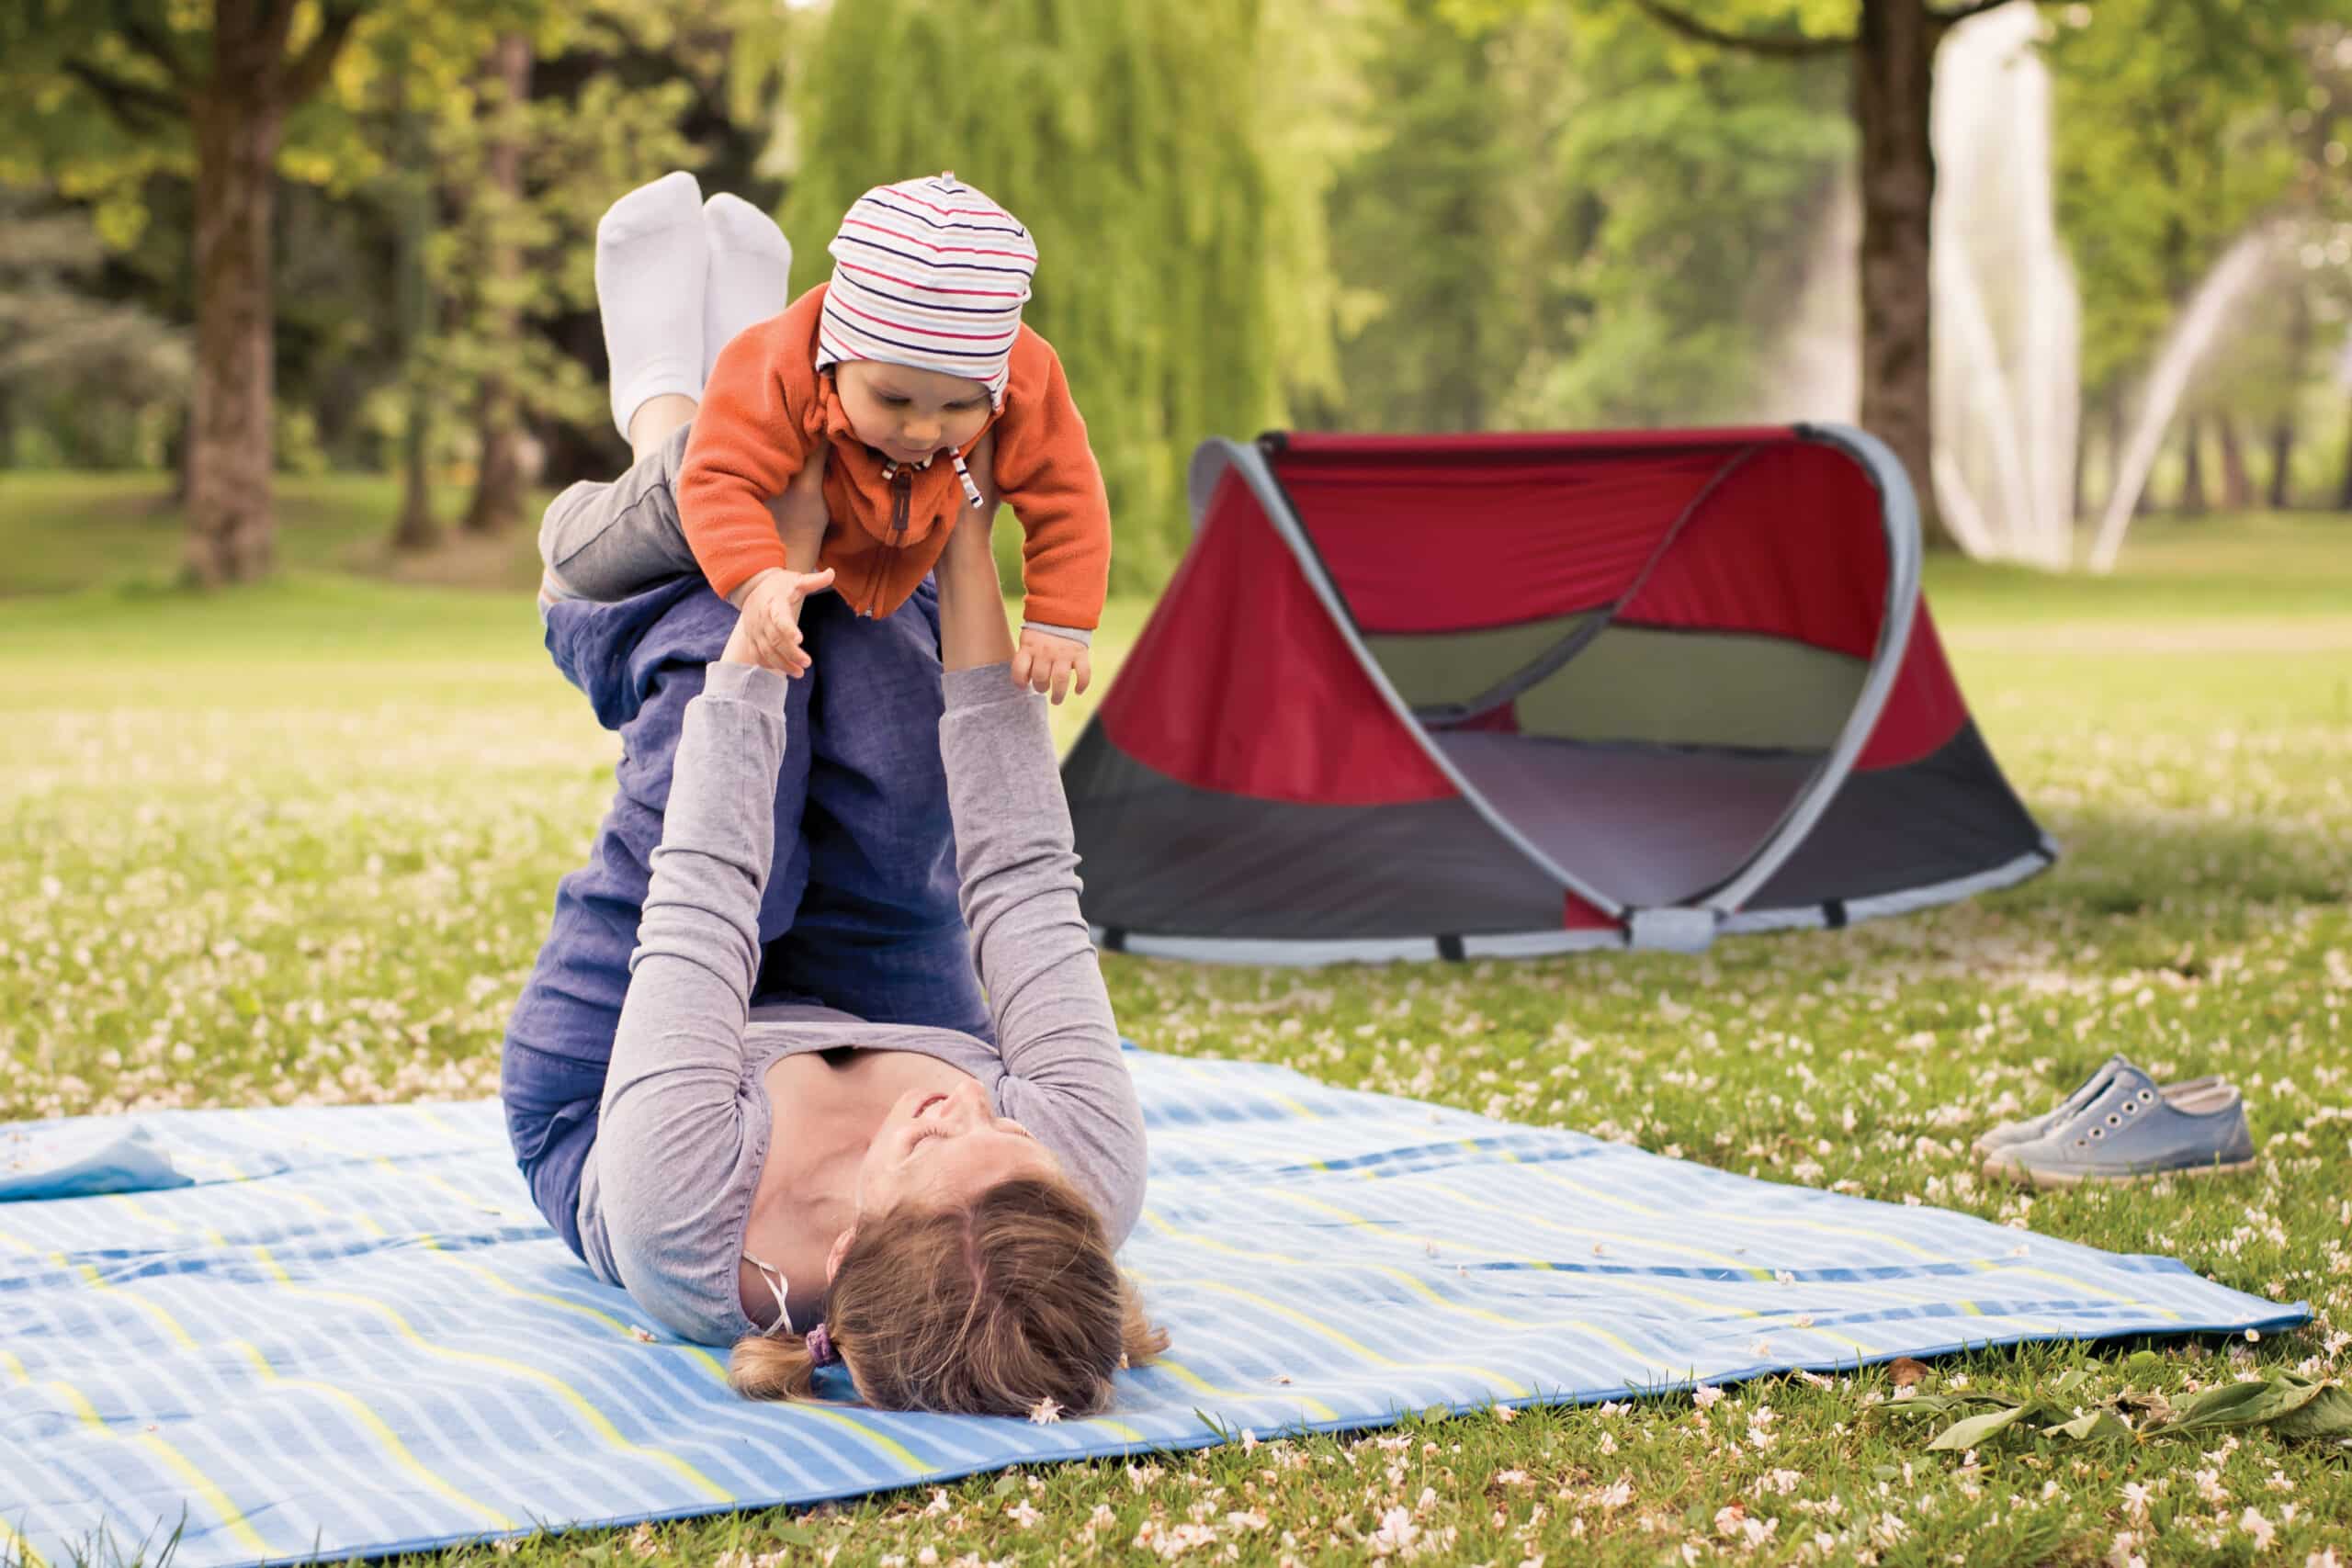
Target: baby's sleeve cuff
x: 1078, y: 634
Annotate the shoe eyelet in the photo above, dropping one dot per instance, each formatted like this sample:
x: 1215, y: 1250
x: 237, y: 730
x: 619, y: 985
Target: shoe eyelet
x: 2130, y: 1107
x: 2082, y: 1142
x: 2113, y: 1120
x: 2099, y: 1132
x: 2147, y: 1096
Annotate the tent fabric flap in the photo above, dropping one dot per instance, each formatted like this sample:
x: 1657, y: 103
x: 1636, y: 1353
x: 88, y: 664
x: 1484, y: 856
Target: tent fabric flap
x: 1195, y: 704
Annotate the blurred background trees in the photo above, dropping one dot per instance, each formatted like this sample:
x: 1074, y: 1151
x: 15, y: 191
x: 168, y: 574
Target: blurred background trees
x: 247, y: 237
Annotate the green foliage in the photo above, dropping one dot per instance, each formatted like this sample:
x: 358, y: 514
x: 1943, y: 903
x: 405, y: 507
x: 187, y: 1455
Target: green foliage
x: 2172, y: 138
x: 118, y: 370
x: 580, y: 150
x: 1699, y: 177
x: 1130, y: 140
x: 1429, y: 231
x: 1584, y: 199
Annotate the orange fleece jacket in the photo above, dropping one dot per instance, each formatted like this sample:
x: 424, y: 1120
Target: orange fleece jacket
x: 767, y: 408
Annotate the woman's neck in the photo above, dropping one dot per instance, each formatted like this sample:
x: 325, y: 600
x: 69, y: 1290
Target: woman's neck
x: 807, y: 1190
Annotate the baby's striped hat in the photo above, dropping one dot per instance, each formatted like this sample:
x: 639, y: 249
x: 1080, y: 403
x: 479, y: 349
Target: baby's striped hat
x: 930, y: 274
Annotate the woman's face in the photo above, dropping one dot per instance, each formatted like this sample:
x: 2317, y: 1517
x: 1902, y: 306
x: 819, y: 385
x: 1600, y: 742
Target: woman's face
x: 944, y: 1147
x: 908, y: 415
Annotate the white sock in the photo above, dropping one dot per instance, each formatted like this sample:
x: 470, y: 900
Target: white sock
x: 650, y: 263
x: 751, y: 272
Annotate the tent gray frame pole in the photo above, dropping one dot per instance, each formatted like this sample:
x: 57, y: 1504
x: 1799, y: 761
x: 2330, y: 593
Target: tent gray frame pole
x: 1210, y: 461
x: 1899, y: 517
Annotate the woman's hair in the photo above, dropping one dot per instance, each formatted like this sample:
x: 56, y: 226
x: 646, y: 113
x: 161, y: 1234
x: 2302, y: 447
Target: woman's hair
x: 988, y: 1309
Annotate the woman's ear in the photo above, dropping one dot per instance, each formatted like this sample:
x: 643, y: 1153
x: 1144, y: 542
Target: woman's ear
x: 840, y: 1250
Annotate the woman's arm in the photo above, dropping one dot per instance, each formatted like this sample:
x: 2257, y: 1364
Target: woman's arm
x: 671, y: 1137
x: 972, y: 629
x: 1015, y: 853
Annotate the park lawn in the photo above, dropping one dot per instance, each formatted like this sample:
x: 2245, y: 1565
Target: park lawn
x: 297, y: 844
x: 62, y: 532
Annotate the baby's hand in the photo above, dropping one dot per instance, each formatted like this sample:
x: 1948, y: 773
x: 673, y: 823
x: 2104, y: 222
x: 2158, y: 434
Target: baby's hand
x: 1049, y: 663
x: 769, y: 630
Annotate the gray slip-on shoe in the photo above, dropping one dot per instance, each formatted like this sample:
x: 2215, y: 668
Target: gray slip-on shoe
x: 2132, y: 1130
x: 2190, y: 1094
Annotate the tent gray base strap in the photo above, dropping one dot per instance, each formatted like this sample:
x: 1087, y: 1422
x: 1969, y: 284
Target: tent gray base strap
x: 1314, y: 953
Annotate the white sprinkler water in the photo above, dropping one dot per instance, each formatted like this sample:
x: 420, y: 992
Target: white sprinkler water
x: 2005, y: 316
x: 2233, y: 277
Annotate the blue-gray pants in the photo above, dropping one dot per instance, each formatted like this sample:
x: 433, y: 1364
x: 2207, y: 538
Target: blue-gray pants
x: 861, y: 910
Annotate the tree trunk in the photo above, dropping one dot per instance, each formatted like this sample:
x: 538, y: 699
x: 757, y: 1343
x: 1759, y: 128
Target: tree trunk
x: 416, y: 530
x: 2282, y: 461
x: 2116, y: 437
x: 2237, y: 480
x: 180, y: 452
x: 230, y: 444
x: 2282, y: 429
x: 2343, y: 491
x: 2080, y: 491
x: 497, y: 502
x: 2192, y: 501
x: 1893, y: 67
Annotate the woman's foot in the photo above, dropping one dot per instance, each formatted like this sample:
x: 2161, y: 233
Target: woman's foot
x: 751, y: 272
x: 652, y: 261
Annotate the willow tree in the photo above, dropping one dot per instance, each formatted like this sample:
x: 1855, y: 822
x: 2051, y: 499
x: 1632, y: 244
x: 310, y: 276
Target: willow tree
x: 1132, y: 142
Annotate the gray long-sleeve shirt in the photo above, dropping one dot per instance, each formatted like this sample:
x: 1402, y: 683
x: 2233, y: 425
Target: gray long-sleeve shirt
x: 667, y: 1190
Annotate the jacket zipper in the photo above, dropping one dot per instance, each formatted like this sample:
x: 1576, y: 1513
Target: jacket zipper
x: 901, y: 490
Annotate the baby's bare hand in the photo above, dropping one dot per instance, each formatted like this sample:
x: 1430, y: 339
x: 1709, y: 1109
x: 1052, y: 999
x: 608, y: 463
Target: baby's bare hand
x: 768, y: 633
x: 1051, y: 664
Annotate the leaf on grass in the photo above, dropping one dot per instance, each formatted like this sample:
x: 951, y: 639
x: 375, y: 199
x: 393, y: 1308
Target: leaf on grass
x: 1906, y: 1371
x: 2297, y: 1406
x: 2289, y: 1405
x: 2101, y: 1423
x: 1973, y: 1432
x: 2327, y: 1414
x: 2232, y: 1405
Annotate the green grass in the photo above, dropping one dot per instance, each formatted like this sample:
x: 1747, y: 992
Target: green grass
x: 297, y: 843
x: 66, y: 532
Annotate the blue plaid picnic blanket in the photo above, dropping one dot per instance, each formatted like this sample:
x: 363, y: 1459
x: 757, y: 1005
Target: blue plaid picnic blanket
x: 291, y: 1334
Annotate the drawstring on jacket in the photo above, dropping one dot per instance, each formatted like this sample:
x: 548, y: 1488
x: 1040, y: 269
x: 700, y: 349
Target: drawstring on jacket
x: 972, y: 490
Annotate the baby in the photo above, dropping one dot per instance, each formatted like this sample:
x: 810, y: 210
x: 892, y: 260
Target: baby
x: 892, y: 376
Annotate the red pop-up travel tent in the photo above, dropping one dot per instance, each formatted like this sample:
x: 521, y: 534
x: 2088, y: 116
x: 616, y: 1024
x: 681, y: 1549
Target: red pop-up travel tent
x: 1516, y: 694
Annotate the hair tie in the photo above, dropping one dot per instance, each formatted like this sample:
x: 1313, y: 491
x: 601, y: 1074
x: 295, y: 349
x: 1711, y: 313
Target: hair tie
x: 821, y: 1346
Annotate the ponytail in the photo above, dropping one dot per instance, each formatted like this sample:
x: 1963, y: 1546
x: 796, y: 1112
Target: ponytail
x: 772, y: 1367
